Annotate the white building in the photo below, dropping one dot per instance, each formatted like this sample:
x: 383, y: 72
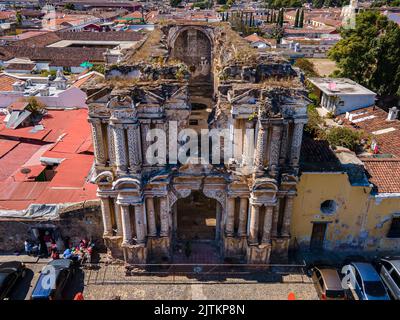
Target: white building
x: 341, y: 95
x: 57, y: 93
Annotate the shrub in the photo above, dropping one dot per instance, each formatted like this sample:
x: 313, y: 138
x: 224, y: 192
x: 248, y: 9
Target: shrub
x: 307, y: 66
x: 315, y: 121
x: 344, y: 137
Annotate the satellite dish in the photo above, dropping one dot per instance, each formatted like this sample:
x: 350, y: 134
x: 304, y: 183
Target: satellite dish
x: 25, y: 170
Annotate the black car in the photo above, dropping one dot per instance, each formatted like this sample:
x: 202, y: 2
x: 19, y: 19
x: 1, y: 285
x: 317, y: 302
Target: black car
x: 10, y: 273
x: 52, y: 280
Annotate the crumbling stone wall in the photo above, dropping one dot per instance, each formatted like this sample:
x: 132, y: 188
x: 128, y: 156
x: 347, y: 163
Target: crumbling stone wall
x: 76, y: 222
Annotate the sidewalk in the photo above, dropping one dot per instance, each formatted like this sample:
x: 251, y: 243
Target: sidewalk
x: 5, y: 257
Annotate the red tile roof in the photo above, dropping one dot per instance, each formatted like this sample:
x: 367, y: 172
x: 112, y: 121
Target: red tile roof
x: 6, y: 82
x: 375, y: 120
x: 384, y: 174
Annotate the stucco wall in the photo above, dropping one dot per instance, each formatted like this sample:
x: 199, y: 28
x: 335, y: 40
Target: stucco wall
x: 359, y: 223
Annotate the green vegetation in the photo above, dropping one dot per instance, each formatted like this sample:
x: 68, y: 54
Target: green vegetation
x: 370, y: 54
x: 203, y: 4
x: 276, y: 33
x: 243, y: 23
x: 314, y: 126
x: 46, y: 73
x: 307, y: 66
x: 35, y: 106
x: 301, y: 19
x: 277, y: 4
x: 280, y: 17
x: 175, y: 3
x: 344, y: 137
x: 69, y: 6
x: 389, y: 3
x: 18, y: 18
x: 100, y: 68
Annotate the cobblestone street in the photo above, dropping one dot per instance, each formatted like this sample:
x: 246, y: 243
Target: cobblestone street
x: 202, y: 291
x: 110, y: 282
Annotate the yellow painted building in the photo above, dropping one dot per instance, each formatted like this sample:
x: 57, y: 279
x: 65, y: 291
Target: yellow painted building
x: 338, y: 209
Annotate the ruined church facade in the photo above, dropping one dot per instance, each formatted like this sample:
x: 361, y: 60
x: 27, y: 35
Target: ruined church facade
x: 200, y: 77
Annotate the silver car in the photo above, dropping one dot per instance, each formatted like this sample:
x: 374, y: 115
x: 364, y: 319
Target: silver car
x: 390, y: 274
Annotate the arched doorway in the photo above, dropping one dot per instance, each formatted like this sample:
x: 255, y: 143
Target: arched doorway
x: 193, y: 46
x: 196, y: 217
x: 196, y: 237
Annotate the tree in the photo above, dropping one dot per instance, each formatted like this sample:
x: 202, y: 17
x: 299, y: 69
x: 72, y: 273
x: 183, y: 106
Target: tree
x: 18, y: 18
x: 276, y: 33
x: 370, y: 54
x: 301, y: 19
x: 280, y: 18
x: 307, y: 66
x: 343, y: 137
x: 69, y: 6
x: 296, y: 19
x: 175, y: 3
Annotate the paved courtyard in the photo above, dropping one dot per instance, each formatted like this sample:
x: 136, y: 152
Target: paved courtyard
x: 110, y: 282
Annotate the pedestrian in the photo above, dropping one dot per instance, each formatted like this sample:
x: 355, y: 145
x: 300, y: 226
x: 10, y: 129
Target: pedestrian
x: 28, y: 247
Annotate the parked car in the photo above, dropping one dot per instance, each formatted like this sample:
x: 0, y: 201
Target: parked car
x: 365, y: 281
x: 52, y: 280
x: 10, y: 273
x: 389, y: 270
x: 328, y: 283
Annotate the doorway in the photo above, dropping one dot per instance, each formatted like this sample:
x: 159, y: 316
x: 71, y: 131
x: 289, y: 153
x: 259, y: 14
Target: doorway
x: 196, y: 233
x: 318, y: 235
x: 196, y: 217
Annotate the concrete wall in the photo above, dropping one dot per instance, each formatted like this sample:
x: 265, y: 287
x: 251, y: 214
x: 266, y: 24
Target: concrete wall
x: 361, y: 222
x: 350, y: 102
x: 70, y: 98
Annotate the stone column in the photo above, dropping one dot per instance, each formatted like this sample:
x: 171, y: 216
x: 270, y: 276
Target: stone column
x: 275, y: 219
x: 230, y: 216
x: 164, y: 217
x: 106, y: 214
x: 243, y: 212
x: 134, y: 152
x: 287, y: 215
x: 266, y: 237
x: 248, y: 144
x: 118, y: 218
x: 218, y: 222
x: 253, y: 223
x: 111, y: 146
x: 139, y: 224
x: 296, y: 143
x: 284, y: 145
x: 275, y: 148
x: 145, y: 127
x: 120, y: 148
x: 151, y: 217
x: 259, y: 160
x: 98, y: 142
x: 126, y: 225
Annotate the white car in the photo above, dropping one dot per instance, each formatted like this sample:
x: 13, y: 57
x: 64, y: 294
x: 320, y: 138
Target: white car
x: 390, y: 274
